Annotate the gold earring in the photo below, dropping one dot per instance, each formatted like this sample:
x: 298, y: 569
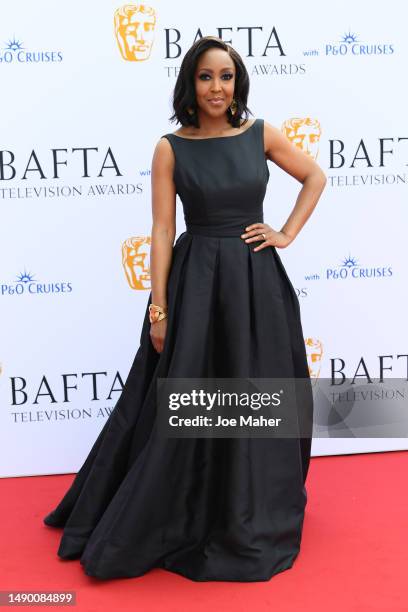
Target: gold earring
x: 190, y: 110
x: 233, y: 107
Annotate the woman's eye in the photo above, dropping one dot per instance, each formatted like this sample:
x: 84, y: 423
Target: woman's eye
x: 226, y: 76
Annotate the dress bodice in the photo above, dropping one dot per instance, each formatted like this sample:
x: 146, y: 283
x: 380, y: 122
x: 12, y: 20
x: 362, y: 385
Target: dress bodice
x: 221, y: 181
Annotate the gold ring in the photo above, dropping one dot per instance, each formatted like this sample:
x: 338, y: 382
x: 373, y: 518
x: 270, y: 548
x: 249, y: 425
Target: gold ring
x: 264, y: 237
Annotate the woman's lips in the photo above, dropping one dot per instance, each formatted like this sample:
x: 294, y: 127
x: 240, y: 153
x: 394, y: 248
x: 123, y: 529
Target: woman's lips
x: 216, y: 102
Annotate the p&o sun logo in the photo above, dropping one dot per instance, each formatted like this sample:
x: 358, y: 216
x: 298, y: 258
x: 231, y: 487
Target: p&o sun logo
x: 15, y: 52
x: 27, y: 284
x: 350, y: 268
x: 349, y: 44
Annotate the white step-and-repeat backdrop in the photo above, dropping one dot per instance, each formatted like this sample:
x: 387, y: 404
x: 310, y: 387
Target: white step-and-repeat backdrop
x: 86, y: 94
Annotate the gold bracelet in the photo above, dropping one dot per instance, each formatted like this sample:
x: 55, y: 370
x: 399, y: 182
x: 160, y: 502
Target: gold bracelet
x: 157, y: 313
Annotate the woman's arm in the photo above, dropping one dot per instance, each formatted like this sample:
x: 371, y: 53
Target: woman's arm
x: 164, y: 219
x: 302, y: 167
x: 163, y: 231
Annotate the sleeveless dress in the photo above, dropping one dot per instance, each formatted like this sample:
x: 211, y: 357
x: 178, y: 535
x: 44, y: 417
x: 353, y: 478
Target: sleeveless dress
x: 207, y: 508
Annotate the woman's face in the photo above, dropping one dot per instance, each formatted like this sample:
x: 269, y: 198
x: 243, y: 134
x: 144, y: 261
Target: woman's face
x: 214, y: 82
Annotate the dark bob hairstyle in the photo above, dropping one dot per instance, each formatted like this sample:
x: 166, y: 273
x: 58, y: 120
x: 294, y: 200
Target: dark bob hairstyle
x: 184, y: 90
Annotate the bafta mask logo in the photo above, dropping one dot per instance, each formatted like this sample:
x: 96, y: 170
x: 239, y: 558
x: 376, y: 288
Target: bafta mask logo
x: 134, y: 31
x: 304, y: 133
x: 136, y: 261
x: 314, y: 352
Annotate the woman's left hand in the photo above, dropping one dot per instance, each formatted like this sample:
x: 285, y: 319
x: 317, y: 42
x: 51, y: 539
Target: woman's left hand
x: 253, y: 233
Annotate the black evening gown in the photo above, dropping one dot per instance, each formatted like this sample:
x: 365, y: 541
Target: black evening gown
x: 207, y: 508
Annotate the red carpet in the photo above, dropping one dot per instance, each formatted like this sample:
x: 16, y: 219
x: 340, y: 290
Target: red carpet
x: 354, y: 554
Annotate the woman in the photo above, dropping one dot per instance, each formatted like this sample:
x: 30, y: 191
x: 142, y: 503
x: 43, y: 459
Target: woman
x: 221, y: 306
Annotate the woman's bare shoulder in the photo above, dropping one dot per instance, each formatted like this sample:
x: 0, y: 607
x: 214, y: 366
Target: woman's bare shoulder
x: 163, y: 154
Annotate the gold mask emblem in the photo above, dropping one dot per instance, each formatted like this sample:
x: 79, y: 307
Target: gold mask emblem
x: 136, y: 261
x: 314, y: 352
x: 304, y: 133
x: 134, y: 31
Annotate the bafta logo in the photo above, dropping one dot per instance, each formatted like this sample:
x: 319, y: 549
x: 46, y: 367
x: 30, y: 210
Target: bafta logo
x: 304, y: 133
x: 136, y: 261
x: 134, y: 31
x: 314, y: 352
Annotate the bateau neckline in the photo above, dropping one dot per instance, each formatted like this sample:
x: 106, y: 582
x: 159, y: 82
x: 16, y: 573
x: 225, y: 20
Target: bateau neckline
x: 216, y: 137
